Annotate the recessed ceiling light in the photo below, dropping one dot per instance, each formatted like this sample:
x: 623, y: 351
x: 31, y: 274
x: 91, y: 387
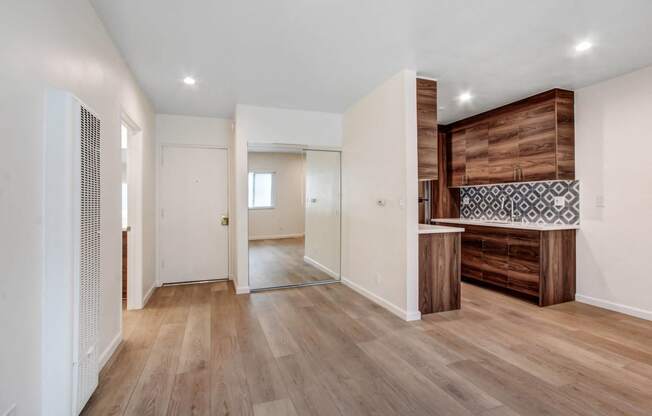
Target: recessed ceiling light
x: 189, y: 81
x: 583, y: 46
x: 465, y: 97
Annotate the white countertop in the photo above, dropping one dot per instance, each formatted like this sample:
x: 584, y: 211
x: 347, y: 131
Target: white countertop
x: 508, y: 224
x: 438, y: 229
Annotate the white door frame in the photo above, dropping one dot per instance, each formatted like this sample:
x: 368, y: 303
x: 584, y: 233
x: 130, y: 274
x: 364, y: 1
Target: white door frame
x: 159, y: 162
x: 135, y: 296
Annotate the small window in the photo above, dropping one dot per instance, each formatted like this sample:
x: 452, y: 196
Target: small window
x: 261, y: 190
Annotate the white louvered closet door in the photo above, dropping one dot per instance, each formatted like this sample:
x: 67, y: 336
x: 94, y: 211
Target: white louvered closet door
x: 88, y: 285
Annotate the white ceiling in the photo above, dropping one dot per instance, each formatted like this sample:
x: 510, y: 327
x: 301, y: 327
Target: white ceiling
x: 325, y: 54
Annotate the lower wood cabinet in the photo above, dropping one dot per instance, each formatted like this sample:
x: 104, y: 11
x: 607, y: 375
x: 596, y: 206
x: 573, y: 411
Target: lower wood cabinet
x: 536, y: 263
x: 439, y: 272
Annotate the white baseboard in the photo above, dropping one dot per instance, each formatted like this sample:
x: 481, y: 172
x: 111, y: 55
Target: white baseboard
x: 616, y: 307
x: 108, y: 352
x: 406, y: 316
x: 321, y: 267
x: 242, y: 290
x: 274, y: 237
x: 149, y: 294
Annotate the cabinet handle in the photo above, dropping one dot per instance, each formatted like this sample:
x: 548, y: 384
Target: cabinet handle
x: 520, y: 173
x: 514, y: 172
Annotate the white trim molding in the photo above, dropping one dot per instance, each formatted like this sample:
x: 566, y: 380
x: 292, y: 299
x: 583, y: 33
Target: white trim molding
x: 616, y: 307
x: 149, y: 294
x: 106, y: 355
x: 319, y: 266
x: 405, y: 315
x: 242, y: 290
x: 274, y: 237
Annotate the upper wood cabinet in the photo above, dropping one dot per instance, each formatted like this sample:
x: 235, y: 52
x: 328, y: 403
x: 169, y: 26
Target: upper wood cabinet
x: 427, y: 129
x: 529, y: 140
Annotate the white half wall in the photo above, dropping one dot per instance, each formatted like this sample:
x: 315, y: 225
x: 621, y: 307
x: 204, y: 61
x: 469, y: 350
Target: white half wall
x: 379, y: 187
x: 613, y: 163
x: 287, y: 216
x: 182, y: 130
x: 58, y: 44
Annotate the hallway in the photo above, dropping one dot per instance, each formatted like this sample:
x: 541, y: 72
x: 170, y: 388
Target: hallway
x: 199, y: 349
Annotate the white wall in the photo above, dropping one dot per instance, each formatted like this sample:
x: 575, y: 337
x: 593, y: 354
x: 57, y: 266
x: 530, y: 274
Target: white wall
x: 379, y: 162
x: 60, y: 44
x: 201, y: 131
x: 614, y: 162
x: 277, y: 125
x: 287, y: 216
x: 188, y: 130
x: 322, y: 243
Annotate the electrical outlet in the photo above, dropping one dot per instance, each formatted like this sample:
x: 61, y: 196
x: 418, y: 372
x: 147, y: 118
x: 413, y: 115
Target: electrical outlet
x: 466, y: 200
x: 560, y: 201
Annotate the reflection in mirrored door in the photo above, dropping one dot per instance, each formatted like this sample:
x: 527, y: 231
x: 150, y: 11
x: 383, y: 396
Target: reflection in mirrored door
x: 294, y: 216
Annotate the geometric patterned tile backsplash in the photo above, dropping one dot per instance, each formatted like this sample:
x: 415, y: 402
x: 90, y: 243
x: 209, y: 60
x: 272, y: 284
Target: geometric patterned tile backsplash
x: 534, y: 202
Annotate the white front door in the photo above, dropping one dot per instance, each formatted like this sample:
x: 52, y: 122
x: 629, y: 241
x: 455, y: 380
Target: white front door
x: 194, y: 190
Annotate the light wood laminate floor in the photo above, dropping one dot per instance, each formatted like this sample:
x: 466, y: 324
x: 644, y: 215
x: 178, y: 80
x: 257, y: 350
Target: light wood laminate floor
x: 325, y: 350
x: 279, y: 262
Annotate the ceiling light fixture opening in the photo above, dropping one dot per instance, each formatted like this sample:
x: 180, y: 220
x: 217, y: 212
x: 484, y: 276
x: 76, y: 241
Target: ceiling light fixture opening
x: 465, y: 97
x: 583, y: 46
x: 189, y: 81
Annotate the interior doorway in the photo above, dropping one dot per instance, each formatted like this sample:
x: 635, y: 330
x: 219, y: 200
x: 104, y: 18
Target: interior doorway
x: 124, y: 151
x: 131, y: 192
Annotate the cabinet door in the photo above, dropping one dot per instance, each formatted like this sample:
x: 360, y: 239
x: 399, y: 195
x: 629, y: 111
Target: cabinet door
x: 457, y: 163
x: 477, y: 156
x: 524, y: 261
x: 503, y: 148
x: 472, y: 262
x: 495, y: 254
x: 427, y: 129
x: 537, y: 142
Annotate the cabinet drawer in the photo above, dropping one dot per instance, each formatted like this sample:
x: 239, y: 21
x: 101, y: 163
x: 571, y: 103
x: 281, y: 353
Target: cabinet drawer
x: 524, y: 282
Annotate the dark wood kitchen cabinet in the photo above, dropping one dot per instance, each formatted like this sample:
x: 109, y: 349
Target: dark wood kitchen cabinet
x: 540, y: 264
x: 529, y: 140
x: 439, y: 272
x: 427, y: 129
x: 457, y: 163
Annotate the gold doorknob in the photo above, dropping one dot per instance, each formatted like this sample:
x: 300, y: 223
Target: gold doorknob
x: 224, y: 220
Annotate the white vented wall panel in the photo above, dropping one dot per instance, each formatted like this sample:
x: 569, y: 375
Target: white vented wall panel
x: 88, y: 283
x: 72, y: 253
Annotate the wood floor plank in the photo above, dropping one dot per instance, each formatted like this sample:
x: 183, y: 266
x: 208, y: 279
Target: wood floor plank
x: 283, y: 407
x: 326, y: 350
x: 229, y: 392
x: 152, y: 394
x: 190, y: 395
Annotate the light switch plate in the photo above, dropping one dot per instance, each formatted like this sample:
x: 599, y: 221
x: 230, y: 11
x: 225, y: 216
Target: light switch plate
x: 599, y: 201
x: 560, y: 201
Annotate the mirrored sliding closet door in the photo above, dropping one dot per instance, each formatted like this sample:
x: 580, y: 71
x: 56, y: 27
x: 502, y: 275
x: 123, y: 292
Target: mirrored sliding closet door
x: 294, y: 216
